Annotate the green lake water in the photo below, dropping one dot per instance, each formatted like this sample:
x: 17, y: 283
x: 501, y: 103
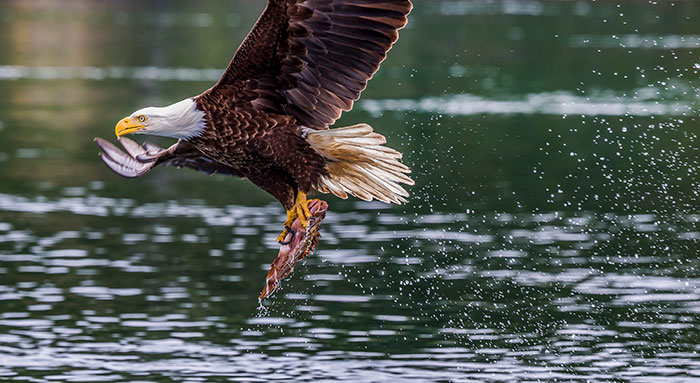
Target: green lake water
x: 552, y: 235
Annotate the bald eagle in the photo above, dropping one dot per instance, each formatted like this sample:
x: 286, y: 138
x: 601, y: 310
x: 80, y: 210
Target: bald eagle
x: 267, y: 119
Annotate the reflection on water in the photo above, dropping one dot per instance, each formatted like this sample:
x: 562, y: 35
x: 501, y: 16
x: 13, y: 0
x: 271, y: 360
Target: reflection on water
x: 553, y: 235
x: 501, y: 296
x: 637, y: 41
x: 14, y: 72
x: 555, y: 103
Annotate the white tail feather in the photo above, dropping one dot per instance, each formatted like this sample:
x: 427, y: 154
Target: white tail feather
x: 359, y: 165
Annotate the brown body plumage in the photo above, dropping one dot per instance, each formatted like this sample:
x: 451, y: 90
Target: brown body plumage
x: 303, y: 63
x: 267, y: 119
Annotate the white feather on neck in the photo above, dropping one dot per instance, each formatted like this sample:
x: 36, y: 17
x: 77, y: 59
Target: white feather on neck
x: 181, y: 120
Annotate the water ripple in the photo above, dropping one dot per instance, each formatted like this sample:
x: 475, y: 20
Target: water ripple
x: 561, y: 103
x: 180, y: 304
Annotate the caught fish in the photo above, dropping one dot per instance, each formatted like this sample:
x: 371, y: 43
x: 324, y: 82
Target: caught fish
x: 298, y: 243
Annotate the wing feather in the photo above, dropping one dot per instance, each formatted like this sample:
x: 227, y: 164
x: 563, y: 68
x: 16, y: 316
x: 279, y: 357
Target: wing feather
x: 311, y: 59
x: 140, y: 159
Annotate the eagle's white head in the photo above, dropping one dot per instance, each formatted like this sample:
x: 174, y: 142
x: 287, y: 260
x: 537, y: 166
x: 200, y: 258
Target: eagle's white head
x: 180, y: 120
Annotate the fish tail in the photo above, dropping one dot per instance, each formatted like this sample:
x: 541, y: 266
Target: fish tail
x: 358, y: 163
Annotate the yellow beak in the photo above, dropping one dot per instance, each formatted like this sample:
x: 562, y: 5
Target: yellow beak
x: 126, y: 126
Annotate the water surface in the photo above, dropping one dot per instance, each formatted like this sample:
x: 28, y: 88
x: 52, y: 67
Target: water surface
x: 553, y: 233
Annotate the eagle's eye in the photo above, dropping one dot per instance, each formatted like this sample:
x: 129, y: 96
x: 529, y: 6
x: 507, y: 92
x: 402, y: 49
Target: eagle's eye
x: 142, y: 118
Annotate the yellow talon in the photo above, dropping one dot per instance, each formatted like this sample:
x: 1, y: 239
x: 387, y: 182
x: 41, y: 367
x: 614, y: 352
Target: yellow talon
x: 291, y: 215
x: 301, y: 211
x: 303, y: 214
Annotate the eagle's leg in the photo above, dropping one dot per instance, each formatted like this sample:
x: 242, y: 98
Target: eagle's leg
x: 300, y: 211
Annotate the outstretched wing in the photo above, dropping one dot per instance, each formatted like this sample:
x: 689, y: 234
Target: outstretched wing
x: 139, y: 160
x: 311, y: 59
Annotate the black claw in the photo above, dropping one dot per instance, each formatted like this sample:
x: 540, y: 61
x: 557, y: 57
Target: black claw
x: 146, y: 157
x: 288, y: 230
